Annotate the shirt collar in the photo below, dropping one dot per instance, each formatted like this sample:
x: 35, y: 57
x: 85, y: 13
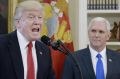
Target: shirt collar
x: 22, y: 40
x: 94, y: 52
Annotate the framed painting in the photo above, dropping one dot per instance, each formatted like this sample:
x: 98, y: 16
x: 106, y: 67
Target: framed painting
x: 6, y: 15
x: 3, y: 16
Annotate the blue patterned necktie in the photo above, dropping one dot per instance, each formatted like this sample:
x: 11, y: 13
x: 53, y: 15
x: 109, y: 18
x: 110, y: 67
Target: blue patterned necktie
x: 99, y: 68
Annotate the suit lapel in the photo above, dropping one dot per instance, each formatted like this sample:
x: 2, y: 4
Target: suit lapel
x: 88, y: 63
x: 39, y: 61
x: 16, y: 55
x: 110, y: 65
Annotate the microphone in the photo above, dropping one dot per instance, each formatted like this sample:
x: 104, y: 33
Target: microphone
x: 46, y: 40
x: 58, y: 45
x: 55, y: 45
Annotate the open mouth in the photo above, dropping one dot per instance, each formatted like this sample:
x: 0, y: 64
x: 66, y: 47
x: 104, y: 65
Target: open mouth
x: 35, y: 29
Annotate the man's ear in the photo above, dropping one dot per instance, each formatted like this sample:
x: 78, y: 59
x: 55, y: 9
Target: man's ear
x: 108, y: 36
x: 17, y: 23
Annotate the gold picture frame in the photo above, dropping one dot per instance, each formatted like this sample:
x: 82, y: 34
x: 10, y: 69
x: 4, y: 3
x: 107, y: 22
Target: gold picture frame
x: 11, y: 8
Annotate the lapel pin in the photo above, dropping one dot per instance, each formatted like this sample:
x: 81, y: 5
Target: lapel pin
x: 110, y: 60
x: 41, y: 53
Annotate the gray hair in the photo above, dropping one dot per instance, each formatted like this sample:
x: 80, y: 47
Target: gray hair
x: 24, y: 6
x: 100, y: 19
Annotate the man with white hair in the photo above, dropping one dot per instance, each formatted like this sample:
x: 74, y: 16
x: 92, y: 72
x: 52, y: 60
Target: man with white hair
x: 21, y: 55
x: 95, y: 61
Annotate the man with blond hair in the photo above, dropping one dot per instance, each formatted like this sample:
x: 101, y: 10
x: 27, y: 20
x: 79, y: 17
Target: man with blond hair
x: 21, y: 55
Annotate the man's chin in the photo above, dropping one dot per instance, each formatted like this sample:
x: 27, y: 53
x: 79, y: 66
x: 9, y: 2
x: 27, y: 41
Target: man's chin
x: 35, y: 38
x: 96, y: 45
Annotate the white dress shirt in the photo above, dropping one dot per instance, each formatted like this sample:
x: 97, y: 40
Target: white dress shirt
x: 23, y: 42
x: 95, y: 59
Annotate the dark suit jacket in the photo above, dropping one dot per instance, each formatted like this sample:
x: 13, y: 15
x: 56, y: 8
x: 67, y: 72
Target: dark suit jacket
x: 71, y: 71
x: 11, y: 66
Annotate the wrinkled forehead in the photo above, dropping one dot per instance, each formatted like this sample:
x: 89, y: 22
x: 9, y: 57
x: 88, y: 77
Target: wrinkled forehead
x: 100, y: 25
x: 34, y: 12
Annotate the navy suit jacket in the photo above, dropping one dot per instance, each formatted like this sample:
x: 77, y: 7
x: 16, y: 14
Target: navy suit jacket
x: 83, y: 57
x: 11, y: 65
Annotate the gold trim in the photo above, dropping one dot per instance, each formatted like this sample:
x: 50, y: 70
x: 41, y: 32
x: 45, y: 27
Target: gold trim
x: 11, y: 7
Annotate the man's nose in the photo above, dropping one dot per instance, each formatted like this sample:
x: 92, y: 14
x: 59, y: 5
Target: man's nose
x: 37, y: 20
x: 97, y: 34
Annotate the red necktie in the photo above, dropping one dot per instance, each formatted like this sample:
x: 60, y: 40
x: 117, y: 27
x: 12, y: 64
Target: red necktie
x: 30, y: 63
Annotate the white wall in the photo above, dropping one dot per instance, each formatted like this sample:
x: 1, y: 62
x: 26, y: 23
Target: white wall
x: 78, y: 21
x: 73, y: 16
